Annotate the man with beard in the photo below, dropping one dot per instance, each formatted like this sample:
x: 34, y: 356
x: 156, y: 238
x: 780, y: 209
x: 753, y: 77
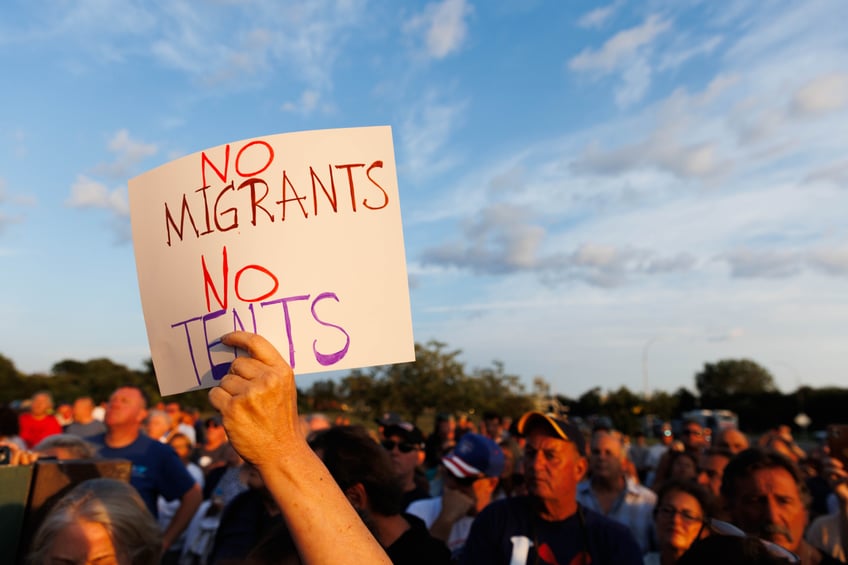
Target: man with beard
x: 548, y: 526
x: 766, y: 497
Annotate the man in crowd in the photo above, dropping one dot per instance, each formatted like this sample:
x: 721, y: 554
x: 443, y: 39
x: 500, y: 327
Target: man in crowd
x: 405, y: 444
x: 711, y: 468
x: 366, y: 475
x: 84, y: 424
x: 38, y: 423
x: 156, y: 468
x: 692, y: 437
x: 470, y: 473
x: 766, y: 497
x: 493, y: 426
x: 175, y: 412
x: 732, y: 440
x: 657, y: 453
x: 215, y: 455
x: 549, y: 526
x: 611, y: 492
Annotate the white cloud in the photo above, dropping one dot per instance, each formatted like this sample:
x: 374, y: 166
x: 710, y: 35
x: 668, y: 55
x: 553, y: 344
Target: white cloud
x: 308, y: 103
x: 443, y: 27
x: 128, y: 153
x: 621, y: 48
x: 675, y: 58
x: 749, y: 263
x: 821, y: 95
x: 88, y: 193
x: 597, y: 17
x: 835, y: 173
x: 425, y: 132
x: 830, y: 261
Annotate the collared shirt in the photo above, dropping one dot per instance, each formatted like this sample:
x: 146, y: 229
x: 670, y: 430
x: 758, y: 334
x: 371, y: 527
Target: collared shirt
x: 634, y: 508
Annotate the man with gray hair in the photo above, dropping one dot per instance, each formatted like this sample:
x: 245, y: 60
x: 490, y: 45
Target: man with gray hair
x: 611, y: 492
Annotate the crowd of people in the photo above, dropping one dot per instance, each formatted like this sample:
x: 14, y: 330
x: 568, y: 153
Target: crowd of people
x: 259, y: 483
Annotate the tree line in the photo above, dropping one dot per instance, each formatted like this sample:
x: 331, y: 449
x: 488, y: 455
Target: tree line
x: 437, y: 381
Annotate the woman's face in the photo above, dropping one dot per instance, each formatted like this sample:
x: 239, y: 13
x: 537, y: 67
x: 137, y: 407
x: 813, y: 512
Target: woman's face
x: 679, y: 520
x: 83, y: 543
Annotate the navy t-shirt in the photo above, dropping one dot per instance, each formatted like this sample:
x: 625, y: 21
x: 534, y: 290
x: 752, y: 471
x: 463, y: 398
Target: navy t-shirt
x: 509, y: 531
x: 156, y: 468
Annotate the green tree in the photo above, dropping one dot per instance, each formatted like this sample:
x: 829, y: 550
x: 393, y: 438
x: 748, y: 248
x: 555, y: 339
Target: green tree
x: 729, y: 377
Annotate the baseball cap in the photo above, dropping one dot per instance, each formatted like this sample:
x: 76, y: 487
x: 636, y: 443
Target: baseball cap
x: 473, y: 456
x: 404, y: 430
x: 389, y: 419
x: 562, y: 427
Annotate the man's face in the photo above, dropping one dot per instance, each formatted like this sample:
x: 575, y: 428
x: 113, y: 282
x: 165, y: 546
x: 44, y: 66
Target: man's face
x: 126, y: 405
x: 40, y: 405
x: 693, y: 436
x: 709, y: 475
x: 156, y: 426
x: 173, y: 410
x: 479, y: 489
x: 82, y: 408
x: 404, y: 462
x: 768, y: 504
x: 552, y: 466
x: 605, y: 460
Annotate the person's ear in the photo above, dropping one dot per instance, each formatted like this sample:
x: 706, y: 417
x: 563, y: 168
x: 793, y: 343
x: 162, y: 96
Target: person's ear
x: 421, y: 456
x: 580, y: 468
x: 357, y: 496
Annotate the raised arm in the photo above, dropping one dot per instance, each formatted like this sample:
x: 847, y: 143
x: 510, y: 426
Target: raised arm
x: 258, y: 402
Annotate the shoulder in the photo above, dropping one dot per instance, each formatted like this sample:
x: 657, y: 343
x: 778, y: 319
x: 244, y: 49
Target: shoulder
x: 643, y: 493
x: 425, y: 507
x: 600, y: 524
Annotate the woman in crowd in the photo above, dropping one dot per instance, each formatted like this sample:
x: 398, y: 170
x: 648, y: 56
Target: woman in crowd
x: 99, y: 520
x: 683, y: 508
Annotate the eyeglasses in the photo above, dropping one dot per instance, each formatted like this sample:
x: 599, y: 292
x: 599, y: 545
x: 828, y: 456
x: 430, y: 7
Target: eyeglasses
x: 669, y: 512
x: 403, y: 446
x: 692, y: 432
x: 723, y: 528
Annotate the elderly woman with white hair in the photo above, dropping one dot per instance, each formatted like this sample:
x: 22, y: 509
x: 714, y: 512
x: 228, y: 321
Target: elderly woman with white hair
x: 99, y: 520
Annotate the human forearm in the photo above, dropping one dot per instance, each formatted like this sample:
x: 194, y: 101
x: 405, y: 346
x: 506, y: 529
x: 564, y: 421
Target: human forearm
x: 316, y: 510
x: 189, y: 504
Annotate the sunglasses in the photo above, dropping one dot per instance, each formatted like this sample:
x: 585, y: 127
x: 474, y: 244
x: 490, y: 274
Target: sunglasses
x: 723, y: 528
x: 403, y: 446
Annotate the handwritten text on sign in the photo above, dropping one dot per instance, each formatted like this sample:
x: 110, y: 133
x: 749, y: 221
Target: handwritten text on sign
x: 293, y: 236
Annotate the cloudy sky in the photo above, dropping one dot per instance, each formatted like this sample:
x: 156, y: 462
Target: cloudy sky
x: 597, y: 194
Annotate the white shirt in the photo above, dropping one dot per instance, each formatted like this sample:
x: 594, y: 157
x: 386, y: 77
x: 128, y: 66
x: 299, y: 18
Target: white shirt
x: 428, y: 510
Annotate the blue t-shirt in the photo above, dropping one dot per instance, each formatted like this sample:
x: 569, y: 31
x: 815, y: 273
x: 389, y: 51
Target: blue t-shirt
x: 156, y: 468
x: 510, y: 532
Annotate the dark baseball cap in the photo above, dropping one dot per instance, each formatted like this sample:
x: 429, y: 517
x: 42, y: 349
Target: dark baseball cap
x: 561, y: 427
x: 405, y: 430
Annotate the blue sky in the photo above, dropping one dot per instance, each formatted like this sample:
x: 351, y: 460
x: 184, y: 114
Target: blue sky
x: 591, y: 192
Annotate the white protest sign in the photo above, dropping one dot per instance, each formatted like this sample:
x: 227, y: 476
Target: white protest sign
x: 296, y: 237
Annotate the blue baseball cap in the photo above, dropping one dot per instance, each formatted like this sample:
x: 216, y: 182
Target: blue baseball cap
x: 475, y: 456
